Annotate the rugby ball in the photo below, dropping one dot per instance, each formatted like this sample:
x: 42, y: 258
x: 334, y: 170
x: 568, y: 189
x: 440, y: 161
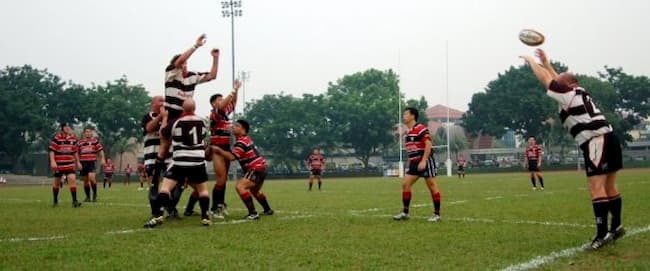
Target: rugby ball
x: 531, y: 37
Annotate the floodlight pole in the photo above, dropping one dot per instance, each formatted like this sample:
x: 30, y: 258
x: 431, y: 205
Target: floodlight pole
x: 231, y: 9
x: 399, y: 118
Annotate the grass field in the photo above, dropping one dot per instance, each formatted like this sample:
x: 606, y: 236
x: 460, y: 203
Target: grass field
x: 489, y: 222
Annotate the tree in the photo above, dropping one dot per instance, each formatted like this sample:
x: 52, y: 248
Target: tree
x: 633, y: 91
x: 122, y: 146
x: 25, y: 115
x: 516, y: 101
x: 117, y: 109
x: 286, y: 127
x: 421, y: 105
x: 362, y: 107
x: 457, y: 142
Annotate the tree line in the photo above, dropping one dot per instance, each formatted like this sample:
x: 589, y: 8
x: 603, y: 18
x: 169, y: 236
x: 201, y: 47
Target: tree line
x: 36, y: 101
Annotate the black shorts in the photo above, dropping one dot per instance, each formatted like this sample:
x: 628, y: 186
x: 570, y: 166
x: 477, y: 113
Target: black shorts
x: 256, y: 176
x: 108, y: 175
x: 59, y: 174
x: 194, y: 175
x: 532, y: 166
x: 87, y: 167
x: 429, y: 171
x: 602, y: 155
x: 461, y: 169
x: 316, y: 172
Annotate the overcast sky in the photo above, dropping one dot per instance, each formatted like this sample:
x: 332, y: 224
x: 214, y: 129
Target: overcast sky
x: 297, y: 47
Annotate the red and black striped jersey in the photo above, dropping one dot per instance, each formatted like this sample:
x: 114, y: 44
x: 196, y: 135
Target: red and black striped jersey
x: 109, y: 168
x: 461, y: 162
x: 88, y: 149
x: 246, y: 152
x: 416, y: 141
x: 534, y: 152
x: 316, y: 161
x: 220, y: 125
x: 64, y: 148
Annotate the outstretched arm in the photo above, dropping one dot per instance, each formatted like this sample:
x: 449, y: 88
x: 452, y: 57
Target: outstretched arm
x: 542, y: 74
x: 225, y: 154
x: 215, y: 66
x: 232, y: 97
x: 545, y: 62
x: 186, y: 55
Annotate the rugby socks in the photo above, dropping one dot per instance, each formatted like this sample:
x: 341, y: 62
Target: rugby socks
x: 310, y: 185
x: 163, y: 199
x: 204, y: 202
x: 94, y: 188
x: 158, y: 168
x: 194, y: 197
x: 218, y: 196
x: 104, y: 183
x: 320, y: 183
x: 261, y: 198
x: 532, y: 180
x: 436, y: 202
x: 87, y: 190
x: 406, y: 201
x: 176, y: 196
x: 541, y: 181
x: 247, y: 198
x: 615, y: 206
x: 601, y: 208
x: 73, y: 192
x: 55, y: 193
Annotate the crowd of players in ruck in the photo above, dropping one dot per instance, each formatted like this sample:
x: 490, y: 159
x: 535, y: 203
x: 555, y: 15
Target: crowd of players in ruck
x: 176, y: 146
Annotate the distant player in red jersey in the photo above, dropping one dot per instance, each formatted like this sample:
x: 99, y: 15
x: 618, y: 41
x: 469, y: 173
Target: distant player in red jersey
x: 254, y: 167
x: 461, y: 163
x: 64, y: 158
x: 421, y: 163
x: 127, y: 172
x: 109, y: 169
x: 89, y: 148
x: 533, y: 160
x: 315, y: 163
x: 220, y: 126
x: 142, y: 175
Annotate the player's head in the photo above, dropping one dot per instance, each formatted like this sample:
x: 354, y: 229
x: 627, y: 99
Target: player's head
x: 567, y: 79
x: 410, y: 114
x: 65, y: 128
x: 532, y: 140
x: 316, y: 151
x: 109, y: 160
x: 215, y: 100
x: 88, y: 132
x: 172, y: 63
x: 241, y: 128
x: 189, y: 106
x: 156, y: 103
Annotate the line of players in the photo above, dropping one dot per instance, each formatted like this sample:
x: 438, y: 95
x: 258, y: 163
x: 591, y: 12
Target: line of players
x: 182, y: 131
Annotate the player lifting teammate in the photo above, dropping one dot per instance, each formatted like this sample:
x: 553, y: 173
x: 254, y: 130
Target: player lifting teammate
x: 533, y: 157
x: 220, y: 126
x: 601, y: 148
x: 254, y: 167
x: 89, y: 147
x: 64, y: 157
x: 421, y: 163
x: 188, y: 163
x: 179, y: 86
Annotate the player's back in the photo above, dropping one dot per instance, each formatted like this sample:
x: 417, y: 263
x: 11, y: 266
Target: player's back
x: 188, y: 133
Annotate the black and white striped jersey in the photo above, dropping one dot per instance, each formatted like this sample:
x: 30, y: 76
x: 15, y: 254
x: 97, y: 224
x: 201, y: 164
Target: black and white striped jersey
x: 178, y: 87
x: 578, y: 112
x: 188, y: 134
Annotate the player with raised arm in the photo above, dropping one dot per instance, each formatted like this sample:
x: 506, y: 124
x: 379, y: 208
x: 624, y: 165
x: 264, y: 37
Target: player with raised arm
x: 600, y: 146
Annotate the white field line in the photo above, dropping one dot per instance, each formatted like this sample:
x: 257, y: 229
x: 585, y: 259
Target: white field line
x: 569, y: 252
x: 493, y: 198
x: 46, y: 238
x: 488, y: 220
